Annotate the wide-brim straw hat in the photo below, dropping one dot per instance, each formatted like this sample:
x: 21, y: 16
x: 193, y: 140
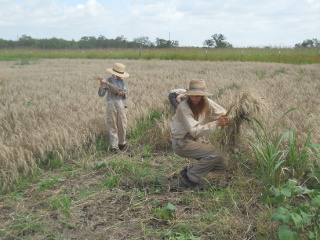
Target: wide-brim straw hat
x: 197, y: 87
x: 118, y: 70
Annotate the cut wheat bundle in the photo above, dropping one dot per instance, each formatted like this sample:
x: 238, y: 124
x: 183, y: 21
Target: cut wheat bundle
x: 246, y: 106
x: 112, y: 87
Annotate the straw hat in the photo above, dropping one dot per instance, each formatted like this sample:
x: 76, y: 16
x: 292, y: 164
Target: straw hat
x: 197, y: 87
x: 118, y: 70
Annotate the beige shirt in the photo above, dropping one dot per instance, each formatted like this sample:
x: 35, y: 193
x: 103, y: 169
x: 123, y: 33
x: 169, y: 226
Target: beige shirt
x: 178, y: 91
x: 184, y: 121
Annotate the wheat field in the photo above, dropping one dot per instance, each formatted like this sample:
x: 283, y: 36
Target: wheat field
x: 53, y: 105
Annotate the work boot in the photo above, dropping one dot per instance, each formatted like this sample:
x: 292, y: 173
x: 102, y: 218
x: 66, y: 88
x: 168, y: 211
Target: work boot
x: 123, y: 147
x: 187, y: 182
x: 184, y: 171
x: 115, y: 150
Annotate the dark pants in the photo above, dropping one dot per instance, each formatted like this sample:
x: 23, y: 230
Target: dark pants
x: 173, y: 101
x: 209, y: 158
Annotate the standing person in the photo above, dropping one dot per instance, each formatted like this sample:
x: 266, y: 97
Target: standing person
x: 196, y: 117
x: 176, y: 96
x: 116, y: 89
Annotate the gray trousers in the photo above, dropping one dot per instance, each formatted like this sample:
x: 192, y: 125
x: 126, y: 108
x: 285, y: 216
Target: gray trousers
x: 117, y: 123
x: 209, y: 158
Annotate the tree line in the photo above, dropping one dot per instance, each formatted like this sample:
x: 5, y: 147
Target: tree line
x: 87, y: 42
x: 101, y: 42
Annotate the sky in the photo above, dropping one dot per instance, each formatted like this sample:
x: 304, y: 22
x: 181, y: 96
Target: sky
x: 244, y: 23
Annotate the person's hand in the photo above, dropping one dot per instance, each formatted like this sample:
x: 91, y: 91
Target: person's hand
x: 102, y: 83
x: 222, y: 121
x: 237, y: 120
x: 121, y: 93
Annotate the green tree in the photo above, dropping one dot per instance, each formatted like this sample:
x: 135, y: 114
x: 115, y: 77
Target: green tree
x: 7, y: 43
x: 143, y: 41
x: 85, y: 42
x: 309, y: 43
x: 217, y: 41
x: 102, y: 42
x: 27, y: 41
x: 162, y: 43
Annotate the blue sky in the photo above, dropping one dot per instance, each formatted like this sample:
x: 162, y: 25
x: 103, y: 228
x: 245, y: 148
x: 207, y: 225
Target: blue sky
x: 245, y: 23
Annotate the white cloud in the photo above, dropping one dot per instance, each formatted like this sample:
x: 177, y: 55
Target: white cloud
x: 244, y: 23
x: 80, y: 6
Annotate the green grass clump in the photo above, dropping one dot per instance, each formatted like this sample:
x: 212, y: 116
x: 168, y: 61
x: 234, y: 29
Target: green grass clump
x: 279, y: 156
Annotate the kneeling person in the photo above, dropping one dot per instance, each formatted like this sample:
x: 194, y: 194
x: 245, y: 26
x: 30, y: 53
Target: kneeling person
x: 196, y: 117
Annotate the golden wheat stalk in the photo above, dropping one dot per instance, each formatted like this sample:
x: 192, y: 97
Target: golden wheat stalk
x: 246, y: 106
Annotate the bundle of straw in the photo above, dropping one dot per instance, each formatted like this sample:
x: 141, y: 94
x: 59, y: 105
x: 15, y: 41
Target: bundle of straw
x: 111, y: 86
x: 245, y: 107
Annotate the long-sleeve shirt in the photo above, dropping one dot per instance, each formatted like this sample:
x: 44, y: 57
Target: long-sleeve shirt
x: 180, y: 94
x: 178, y: 91
x: 121, y: 83
x: 184, y: 122
x: 181, y: 97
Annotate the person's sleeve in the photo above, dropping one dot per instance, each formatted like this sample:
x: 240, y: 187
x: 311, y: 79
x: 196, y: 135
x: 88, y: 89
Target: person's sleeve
x: 216, y: 110
x: 102, y: 92
x: 194, y: 127
x: 180, y: 97
x: 125, y: 96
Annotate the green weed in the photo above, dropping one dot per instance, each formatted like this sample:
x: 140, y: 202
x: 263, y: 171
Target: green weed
x: 298, y: 156
x: 298, y: 210
x: 275, y: 151
x: 27, y: 224
x: 222, y: 90
x: 139, y: 200
x: 147, y: 151
x: 69, y: 170
x: 180, y: 236
x: 86, y: 193
x: 62, y: 204
x: 49, y: 182
x: 102, y: 143
x: 300, y: 72
x: 260, y: 74
x: 144, y: 124
x: 268, y: 152
x: 24, y: 61
x: 111, y: 181
x: 165, y: 213
x: 52, y: 160
x: 277, y: 72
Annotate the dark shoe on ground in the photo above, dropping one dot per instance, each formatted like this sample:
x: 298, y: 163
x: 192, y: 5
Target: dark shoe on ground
x: 188, y: 183
x: 115, y: 150
x: 184, y: 171
x: 123, y: 147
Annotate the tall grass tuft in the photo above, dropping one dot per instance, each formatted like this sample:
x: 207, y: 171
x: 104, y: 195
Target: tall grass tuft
x: 153, y: 130
x: 279, y: 156
x: 267, y: 150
